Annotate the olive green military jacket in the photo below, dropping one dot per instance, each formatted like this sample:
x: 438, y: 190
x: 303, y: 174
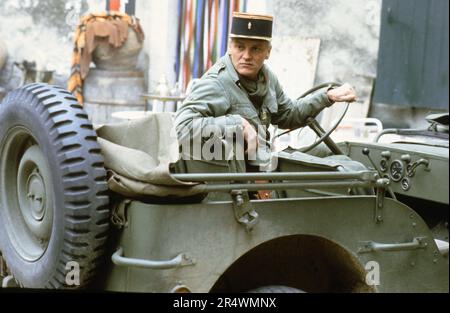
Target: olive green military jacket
x: 219, y: 99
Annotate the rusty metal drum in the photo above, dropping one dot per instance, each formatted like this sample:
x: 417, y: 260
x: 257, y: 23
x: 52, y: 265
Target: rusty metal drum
x: 106, y: 92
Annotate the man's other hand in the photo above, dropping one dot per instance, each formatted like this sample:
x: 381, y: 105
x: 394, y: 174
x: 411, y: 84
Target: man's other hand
x: 344, y: 93
x: 250, y: 137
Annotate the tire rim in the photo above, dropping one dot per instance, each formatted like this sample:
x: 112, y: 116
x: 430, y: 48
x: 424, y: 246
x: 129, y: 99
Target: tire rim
x: 27, y: 194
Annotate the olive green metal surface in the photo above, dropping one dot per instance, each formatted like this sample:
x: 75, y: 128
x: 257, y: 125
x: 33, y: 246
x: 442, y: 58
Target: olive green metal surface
x: 210, y: 235
x: 428, y: 182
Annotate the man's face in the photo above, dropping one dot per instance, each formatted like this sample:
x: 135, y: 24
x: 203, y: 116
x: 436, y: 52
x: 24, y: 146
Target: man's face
x: 248, y: 55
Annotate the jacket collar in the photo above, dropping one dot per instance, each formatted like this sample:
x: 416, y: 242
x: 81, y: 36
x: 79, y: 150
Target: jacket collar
x: 230, y: 68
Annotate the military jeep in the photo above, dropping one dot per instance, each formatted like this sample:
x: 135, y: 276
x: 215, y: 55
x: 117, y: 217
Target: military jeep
x: 73, y: 214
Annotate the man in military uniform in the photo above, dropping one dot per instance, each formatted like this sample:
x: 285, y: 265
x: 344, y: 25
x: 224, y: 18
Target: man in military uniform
x: 240, y: 92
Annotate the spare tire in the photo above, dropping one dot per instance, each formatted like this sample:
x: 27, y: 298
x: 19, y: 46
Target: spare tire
x: 54, y: 215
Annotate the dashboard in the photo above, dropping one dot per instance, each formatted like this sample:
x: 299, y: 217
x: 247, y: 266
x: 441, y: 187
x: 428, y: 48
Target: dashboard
x: 414, y: 170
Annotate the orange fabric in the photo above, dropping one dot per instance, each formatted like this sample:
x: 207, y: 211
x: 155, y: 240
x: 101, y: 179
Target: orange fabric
x: 263, y: 194
x: 114, y: 5
x: 93, y: 29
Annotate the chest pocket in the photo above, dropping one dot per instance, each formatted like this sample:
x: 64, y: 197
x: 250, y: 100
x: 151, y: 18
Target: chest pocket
x: 246, y: 110
x: 268, y: 108
x: 270, y: 102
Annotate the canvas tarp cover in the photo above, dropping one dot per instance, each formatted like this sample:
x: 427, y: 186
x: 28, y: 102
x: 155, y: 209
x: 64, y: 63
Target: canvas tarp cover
x: 138, y: 154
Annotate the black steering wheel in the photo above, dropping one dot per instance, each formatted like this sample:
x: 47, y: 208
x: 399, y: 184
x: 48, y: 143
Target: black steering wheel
x: 323, y: 136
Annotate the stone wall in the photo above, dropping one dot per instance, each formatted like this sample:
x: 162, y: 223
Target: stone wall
x: 348, y: 30
x: 39, y: 31
x: 42, y: 30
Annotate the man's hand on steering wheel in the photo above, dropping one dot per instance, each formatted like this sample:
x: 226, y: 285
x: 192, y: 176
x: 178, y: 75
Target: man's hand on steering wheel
x: 344, y: 93
x: 336, y: 93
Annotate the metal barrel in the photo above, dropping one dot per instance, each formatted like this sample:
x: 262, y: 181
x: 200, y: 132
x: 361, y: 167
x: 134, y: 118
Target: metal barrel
x: 106, y: 92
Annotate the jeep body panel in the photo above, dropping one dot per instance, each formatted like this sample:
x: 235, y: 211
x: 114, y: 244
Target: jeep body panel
x: 428, y: 182
x: 209, y: 233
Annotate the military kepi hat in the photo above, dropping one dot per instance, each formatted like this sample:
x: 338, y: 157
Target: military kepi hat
x: 251, y: 26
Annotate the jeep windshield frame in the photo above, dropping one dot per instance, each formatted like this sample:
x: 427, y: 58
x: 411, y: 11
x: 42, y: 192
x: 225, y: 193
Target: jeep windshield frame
x: 425, y: 137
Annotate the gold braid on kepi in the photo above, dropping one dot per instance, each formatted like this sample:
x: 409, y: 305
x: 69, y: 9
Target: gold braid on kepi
x: 91, y: 30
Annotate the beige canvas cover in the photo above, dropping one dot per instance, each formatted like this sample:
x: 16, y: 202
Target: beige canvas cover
x: 138, y: 154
